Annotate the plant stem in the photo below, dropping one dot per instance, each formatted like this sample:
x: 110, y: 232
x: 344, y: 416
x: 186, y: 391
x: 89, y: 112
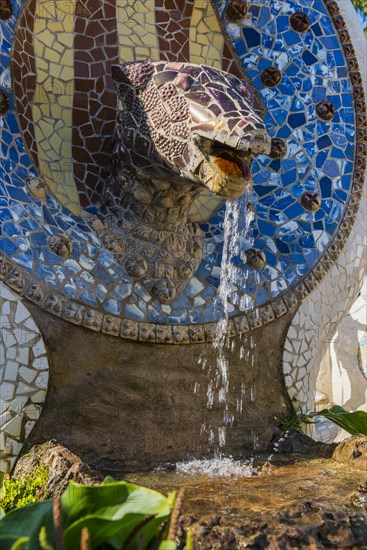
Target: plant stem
x: 85, y: 539
x: 57, y: 517
x: 176, y: 515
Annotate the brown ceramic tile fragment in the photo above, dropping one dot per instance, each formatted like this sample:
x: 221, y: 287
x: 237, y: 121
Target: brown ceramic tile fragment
x: 95, y: 97
x: 173, y: 28
x: 23, y: 68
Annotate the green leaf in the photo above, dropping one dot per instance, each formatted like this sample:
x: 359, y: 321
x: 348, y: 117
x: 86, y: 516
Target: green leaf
x: 20, y: 543
x: 351, y: 422
x: 113, y: 513
x: 167, y: 545
x: 115, y: 533
x: 112, y: 501
x: 27, y: 522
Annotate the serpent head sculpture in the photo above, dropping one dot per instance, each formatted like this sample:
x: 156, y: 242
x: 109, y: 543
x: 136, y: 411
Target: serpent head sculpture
x: 184, y: 129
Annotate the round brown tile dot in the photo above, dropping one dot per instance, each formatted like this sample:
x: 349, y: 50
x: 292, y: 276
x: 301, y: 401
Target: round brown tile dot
x: 236, y: 10
x: 6, y: 9
x: 300, y: 22
x: 4, y: 102
x: 271, y: 77
x: 325, y: 110
x: 255, y: 258
x: 311, y: 201
x: 278, y: 148
x: 60, y: 244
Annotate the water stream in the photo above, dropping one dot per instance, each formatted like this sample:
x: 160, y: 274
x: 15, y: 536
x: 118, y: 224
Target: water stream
x: 236, y: 240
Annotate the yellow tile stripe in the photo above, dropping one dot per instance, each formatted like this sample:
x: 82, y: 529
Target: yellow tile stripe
x: 136, y: 30
x: 54, y: 53
x: 206, y: 47
x: 206, y: 37
x: 53, y: 102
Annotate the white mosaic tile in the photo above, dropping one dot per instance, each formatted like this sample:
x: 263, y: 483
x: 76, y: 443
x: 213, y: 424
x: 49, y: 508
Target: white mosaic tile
x: 323, y: 310
x: 23, y: 375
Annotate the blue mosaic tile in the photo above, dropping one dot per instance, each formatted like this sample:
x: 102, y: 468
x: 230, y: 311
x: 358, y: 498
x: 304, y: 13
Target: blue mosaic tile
x: 313, y: 68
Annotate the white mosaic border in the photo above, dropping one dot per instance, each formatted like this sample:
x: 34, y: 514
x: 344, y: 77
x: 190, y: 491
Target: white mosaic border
x: 23, y: 376
x: 318, y: 317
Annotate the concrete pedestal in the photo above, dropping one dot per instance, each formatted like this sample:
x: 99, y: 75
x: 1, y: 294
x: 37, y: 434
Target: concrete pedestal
x: 125, y: 405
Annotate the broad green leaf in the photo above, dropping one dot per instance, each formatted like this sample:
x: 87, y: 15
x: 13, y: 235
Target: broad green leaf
x: 138, y: 530
x: 140, y: 538
x: 351, y: 422
x: 27, y: 522
x: 112, y: 501
x: 20, y: 543
x: 115, y: 532
x: 115, y: 513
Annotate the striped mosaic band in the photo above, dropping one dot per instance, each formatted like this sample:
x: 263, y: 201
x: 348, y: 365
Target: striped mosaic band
x: 27, y: 285
x: 65, y: 97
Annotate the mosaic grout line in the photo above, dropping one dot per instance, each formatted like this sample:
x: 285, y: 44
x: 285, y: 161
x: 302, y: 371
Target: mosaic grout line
x: 23, y: 376
x: 92, y: 284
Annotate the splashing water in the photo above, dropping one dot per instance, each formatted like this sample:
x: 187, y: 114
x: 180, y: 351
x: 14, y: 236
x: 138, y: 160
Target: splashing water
x: 218, y: 467
x: 276, y: 445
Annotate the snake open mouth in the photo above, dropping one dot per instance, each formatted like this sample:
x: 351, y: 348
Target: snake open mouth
x: 225, y: 170
x: 232, y: 165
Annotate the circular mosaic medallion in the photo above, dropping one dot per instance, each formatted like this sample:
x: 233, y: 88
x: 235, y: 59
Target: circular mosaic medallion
x: 56, y: 143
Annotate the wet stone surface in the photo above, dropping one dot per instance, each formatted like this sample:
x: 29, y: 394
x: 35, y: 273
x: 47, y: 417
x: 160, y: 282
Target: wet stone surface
x: 305, y: 525
x: 275, y: 501
x: 279, y: 501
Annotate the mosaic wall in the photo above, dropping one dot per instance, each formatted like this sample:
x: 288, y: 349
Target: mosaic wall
x: 23, y: 376
x: 60, y: 101
x: 315, y: 323
x: 58, y: 108
x: 347, y: 356
x: 314, y: 326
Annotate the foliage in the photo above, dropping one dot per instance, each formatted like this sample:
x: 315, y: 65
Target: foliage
x: 113, y: 515
x: 190, y: 540
x: 351, y: 422
x: 360, y: 4
x: 20, y: 492
x: 361, y: 8
x: 292, y: 423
